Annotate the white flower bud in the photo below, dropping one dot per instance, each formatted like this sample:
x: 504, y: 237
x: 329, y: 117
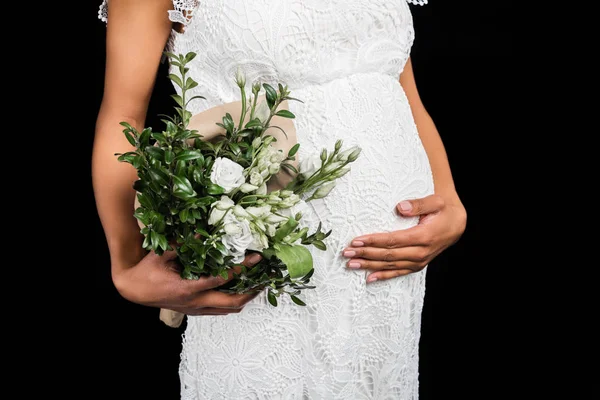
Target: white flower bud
x: 262, y: 189
x: 256, y: 142
x: 286, y: 193
x: 256, y: 179
x: 354, y: 155
x: 262, y: 112
x: 323, y: 190
x: 239, y: 211
x: 240, y: 78
x: 256, y: 87
x: 338, y: 145
x: 324, y: 155
x: 331, y: 167
x: 259, y: 212
x: 274, y: 168
x: 341, y: 172
x: 343, y: 156
x: 247, y: 188
x: 275, y: 219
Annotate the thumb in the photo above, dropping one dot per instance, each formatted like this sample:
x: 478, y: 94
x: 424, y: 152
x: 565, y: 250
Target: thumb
x: 422, y: 206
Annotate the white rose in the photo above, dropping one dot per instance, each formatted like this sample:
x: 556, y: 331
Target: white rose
x: 227, y: 174
x: 310, y: 165
x: 237, y: 238
x: 219, y: 209
x: 259, y: 242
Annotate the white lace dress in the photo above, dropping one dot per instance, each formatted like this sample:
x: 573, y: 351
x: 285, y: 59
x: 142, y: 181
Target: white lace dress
x: 343, y: 59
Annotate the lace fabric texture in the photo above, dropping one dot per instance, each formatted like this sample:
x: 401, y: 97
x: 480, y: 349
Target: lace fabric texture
x: 342, y: 58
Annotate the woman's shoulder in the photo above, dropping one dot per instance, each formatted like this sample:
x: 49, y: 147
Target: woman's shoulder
x: 182, y: 11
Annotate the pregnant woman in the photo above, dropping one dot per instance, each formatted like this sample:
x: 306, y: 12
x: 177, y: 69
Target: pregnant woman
x: 397, y: 209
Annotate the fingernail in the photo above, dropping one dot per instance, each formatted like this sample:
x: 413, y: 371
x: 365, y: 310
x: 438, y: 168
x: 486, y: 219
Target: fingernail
x: 405, y: 206
x: 349, y: 253
x: 371, y: 279
x: 357, y: 243
x: 354, y: 265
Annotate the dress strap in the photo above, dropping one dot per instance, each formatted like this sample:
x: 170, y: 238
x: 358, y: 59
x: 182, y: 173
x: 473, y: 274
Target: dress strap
x: 417, y: 2
x: 182, y: 12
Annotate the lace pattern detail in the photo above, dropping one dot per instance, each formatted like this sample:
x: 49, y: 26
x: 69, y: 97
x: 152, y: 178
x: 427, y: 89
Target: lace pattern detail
x: 342, y: 58
x: 183, y: 11
x: 103, y: 11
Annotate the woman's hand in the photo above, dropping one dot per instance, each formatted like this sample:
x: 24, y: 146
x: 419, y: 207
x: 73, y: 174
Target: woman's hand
x: 156, y: 282
x: 389, y: 255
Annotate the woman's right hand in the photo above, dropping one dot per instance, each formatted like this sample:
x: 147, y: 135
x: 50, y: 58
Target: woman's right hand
x: 155, y: 281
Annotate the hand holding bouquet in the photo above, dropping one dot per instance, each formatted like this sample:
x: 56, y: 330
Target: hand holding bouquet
x: 209, y: 201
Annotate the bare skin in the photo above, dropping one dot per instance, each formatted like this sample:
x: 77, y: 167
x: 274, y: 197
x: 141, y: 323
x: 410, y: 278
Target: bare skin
x: 443, y: 217
x: 136, y: 36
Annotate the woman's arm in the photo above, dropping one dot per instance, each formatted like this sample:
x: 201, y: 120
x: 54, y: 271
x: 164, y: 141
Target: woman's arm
x: 137, y: 32
x: 442, y: 216
x: 442, y: 176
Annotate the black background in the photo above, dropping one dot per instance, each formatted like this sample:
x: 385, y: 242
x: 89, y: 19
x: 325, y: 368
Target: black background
x: 461, y: 59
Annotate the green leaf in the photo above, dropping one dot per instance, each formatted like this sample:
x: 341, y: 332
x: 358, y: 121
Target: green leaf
x: 189, y: 56
x: 184, y: 214
x: 285, y: 229
x: 285, y: 114
x: 178, y: 99
x: 160, y: 138
x: 169, y: 156
x: 176, y: 79
x: 224, y: 274
x: 319, y: 245
x: 215, y: 189
x: 272, y: 299
x: 154, y: 237
x: 190, y: 83
x: 297, y: 259
x: 255, y: 123
x: 145, y: 137
x: 182, y: 188
x: 188, y: 155
x: 130, y: 138
x: 294, y: 150
x: 290, y: 167
x: 159, y: 176
x: 194, y: 98
x: 147, y: 243
x: 297, y: 300
x: 155, y: 152
x: 271, y: 95
x: 162, y: 242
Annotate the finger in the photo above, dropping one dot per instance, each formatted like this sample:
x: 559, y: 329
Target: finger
x: 361, y: 263
x: 422, y: 206
x: 414, y: 253
x: 384, y: 275
x: 214, y: 311
x: 211, y: 282
x: 216, y: 299
x: 415, y: 236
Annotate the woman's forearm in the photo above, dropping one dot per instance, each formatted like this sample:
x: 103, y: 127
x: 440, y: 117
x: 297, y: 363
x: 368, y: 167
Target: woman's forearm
x: 434, y: 147
x: 113, y: 190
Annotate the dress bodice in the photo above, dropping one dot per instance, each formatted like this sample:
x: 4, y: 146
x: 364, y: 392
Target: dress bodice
x: 295, y: 42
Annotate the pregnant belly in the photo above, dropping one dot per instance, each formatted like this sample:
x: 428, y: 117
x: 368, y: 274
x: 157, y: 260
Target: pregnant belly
x: 370, y: 111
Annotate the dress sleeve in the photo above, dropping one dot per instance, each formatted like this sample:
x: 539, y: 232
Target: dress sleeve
x: 182, y: 12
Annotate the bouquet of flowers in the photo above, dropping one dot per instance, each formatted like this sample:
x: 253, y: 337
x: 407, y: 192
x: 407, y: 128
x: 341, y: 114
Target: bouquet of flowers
x: 208, y: 200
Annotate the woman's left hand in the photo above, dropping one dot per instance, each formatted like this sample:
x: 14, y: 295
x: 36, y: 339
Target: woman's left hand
x: 398, y: 253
